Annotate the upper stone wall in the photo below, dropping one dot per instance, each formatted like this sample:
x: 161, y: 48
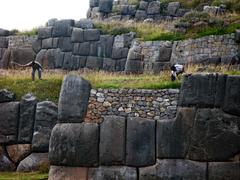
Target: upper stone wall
x: 140, y: 10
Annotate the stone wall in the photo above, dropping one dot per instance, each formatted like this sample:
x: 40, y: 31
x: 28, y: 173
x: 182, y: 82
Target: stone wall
x: 25, y: 132
x: 210, y: 49
x: 16, y: 49
x: 152, y: 104
x: 140, y: 10
x: 202, y: 142
x: 72, y: 45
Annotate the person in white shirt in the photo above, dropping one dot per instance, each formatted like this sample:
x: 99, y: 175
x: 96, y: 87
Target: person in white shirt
x: 176, y: 69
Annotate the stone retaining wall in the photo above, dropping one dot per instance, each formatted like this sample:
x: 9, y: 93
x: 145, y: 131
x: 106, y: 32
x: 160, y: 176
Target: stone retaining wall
x: 25, y: 132
x: 202, y: 142
x: 140, y: 10
x: 153, y: 104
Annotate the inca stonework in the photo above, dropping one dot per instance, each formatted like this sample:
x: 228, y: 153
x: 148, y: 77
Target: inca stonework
x: 152, y: 104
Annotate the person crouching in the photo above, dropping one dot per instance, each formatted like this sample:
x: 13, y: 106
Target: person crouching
x: 176, y: 69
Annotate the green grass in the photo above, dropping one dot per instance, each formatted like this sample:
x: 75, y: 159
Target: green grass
x: 32, y: 32
x: 23, y: 176
x: 20, y: 83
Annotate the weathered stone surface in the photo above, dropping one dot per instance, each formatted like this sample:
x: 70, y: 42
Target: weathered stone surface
x: 140, y: 15
x: 173, y: 136
x: 34, y: 162
x: 120, y: 53
x: 94, y: 62
x: 237, y: 36
x: 232, y: 99
x: 54, y: 58
x: 51, y: 22
x: 140, y: 145
x: 165, y: 54
x: 3, y: 42
x: 143, y: 5
x: 109, y: 64
x: 79, y: 61
x: 112, y: 141
x: 93, y: 3
x: 70, y: 173
x: 134, y: 66
x: 202, y: 90
x: 5, y: 163
x: 47, y: 43
x: 84, y: 23
x: 45, y: 119
x: 9, y: 122
x: 41, y: 57
x: 67, y: 61
x: 214, y: 136
x: 169, y: 169
x: 161, y: 66
x: 74, y: 144
x: 105, y: 6
x: 118, y: 172
x: 63, y: 28
x: 81, y: 49
x: 65, y: 44
x: 91, y: 35
x: 6, y: 96
x: 4, y: 32
x: 93, y: 51
x: 120, y: 64
x: 37, y: 45
x: 22, y: 55
x: 27, y: 118
x: 224, y: 170
x: 105, y: 46
x: 45, y: 32
x: 77, y: 35
x: 4, y: 63
x: 73, y: 101
x: 18, y: 152
x: 154, y: 7
x: 172, y: 8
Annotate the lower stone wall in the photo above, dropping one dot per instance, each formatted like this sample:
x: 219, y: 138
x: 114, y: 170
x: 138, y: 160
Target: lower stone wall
x: 201, y: 142
x: 25, y: 132
x: 153, y: 104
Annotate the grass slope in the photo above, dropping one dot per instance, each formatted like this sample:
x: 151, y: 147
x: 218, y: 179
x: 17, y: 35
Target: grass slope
x: 23, y: 176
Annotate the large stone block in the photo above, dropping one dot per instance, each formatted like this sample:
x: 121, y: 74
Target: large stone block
x: 73, y: 101
x: 5, y: 163
x: 93, y: 51
x: 62, y: 28
x: 109, y: 64
x: 4, y: 32
x: 94, y: 3
x: 84, y: 23
x: 77, y: 35
x: 27, y: 117
x: 94, y: 62
x: 91, y: 35
x: 18, y: 152
x: 232, y: 99
x: 154, y: 8
x: 134, y: 66
x: 54, y: 58
x: 120, y: 64
x: 80, y: 61
x: 173, y: 8
x: 41, y: 57
x: 202, y: 90
x: 81, y: 49
x: 112, y: 141
x: 165, y: 54
x: 74, y: 144
x: 105, y: 46
x: 67, y: 61
x: 118, y: 172
x: 65, y: 44
x: 70, y: 173
x: 143, y: 5
x: 9, y: 122
x: 47, y: 43
x: 105, y: 6
x: 169, y: 169
x: 45, y: 32
x: 6, y: 96
x: 22, y: 55
x: 224, y: 170
x: 157, y: 67
x: 120, y: 53
x: 173, y: 136
x: 37, y: 45
x: 140, y: 15
x: 214, y: 136
x: 3, y: 42
x: 45, y: 120
x: 140, y: 145
x: 4, y: 63
x: 132, y: 10
x: 34, y: 162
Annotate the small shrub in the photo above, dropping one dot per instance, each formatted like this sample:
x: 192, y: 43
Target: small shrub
x: 133, y: 2
x: 32, y: 32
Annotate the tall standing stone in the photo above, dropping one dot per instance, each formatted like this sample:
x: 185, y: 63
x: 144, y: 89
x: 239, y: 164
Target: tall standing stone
x: 73, y: 101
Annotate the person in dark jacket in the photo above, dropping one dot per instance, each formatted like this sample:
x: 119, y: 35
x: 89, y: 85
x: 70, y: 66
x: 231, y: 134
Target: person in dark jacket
x: 36, y: 66
x: 176, y: 69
